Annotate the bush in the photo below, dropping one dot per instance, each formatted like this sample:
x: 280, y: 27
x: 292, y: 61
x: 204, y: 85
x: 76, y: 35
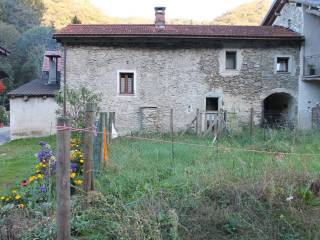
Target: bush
x: 4, y: 119
x: 77, y: 100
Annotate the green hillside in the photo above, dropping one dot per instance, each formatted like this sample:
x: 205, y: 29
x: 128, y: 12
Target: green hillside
x: 59, y: 13
x: 247, y: 14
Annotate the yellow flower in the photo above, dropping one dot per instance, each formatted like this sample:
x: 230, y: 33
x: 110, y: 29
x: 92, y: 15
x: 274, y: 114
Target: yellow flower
x: 73, y: 175
x: 17, y: 197
x: 32, y: 178
x: 14, y: 191
x: 81, y: 161
x: 2, y: 198
x: 39, y: 176
x: 8, y: 199
x: 21, y: 205
x: 78, y: 182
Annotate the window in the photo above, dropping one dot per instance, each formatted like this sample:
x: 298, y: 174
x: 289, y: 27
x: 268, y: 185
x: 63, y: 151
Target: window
x: 212, y: 104
x: 126, y: 83
x: 231, y: 60
x: 282, y: 64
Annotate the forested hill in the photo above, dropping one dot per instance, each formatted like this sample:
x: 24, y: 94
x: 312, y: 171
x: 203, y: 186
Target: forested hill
x: 59, y: 13
x: 247, y: 14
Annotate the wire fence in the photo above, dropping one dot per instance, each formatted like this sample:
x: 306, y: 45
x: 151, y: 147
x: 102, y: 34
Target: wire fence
x: 202, y: 153
x: 262, y: 147
x: 205, y: 140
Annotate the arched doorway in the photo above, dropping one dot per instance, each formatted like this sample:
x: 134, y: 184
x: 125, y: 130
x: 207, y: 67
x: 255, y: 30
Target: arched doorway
x: 279, y: 110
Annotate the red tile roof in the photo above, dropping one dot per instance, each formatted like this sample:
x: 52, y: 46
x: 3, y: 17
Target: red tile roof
x: 176, y: 31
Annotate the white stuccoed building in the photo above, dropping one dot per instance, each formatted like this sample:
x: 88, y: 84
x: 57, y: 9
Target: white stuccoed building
x: 33, y: 106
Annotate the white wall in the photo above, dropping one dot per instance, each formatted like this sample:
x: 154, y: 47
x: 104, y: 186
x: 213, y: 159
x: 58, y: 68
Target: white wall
x: 309, y: 97
x: 311, y: 31
x: 309, y: 91
x: 35, y: 117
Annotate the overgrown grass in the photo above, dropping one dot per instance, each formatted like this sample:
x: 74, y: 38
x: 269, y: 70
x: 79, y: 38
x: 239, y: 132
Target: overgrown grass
x: 202, y: 191
x: 17, y: 160
x: 206, y: 192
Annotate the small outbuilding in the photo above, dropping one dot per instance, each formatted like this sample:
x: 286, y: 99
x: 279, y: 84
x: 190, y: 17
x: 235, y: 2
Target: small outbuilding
x: 33, y: 105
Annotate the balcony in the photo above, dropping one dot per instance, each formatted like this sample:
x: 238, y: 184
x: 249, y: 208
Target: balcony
x: 312, y: 67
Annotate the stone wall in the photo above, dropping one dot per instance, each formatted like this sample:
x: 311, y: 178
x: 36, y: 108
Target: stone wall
x: 181, y: 79
x: 293, y: 13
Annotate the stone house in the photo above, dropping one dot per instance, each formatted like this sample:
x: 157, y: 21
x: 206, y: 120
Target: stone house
x: 303, y: 17
x: 33, y: 106
x: 143, y: 71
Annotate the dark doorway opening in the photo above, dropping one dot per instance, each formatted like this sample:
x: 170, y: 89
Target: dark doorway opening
x: 212, y: 104
x: 278, y: 110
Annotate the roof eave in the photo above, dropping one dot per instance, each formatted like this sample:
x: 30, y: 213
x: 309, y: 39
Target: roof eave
x: 61, y: 37
x: 13, y: 95
x: 275, y: 7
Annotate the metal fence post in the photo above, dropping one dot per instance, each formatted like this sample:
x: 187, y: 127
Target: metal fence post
x: 63, y: 179
x: 103, y: 143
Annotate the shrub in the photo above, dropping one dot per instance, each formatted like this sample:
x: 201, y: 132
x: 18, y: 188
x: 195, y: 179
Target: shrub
x: 4, y: 119
x: 77, y: 100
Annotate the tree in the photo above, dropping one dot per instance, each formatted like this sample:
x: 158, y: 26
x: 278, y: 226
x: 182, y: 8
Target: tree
x: 31, y: 48
x: 75, y: 20
x: 23, y: 14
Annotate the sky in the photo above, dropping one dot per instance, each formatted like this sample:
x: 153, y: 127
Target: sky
x: 190, y: 9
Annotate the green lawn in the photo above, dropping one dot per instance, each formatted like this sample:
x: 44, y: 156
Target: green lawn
x: 17, y: 160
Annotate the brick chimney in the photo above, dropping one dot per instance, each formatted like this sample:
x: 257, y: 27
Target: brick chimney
x: 160, y: 20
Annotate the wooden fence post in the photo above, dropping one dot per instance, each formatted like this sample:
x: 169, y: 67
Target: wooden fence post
x: 197, y: 122
x: 251, y: 122
x: 111, y: 121
x: 200, y: 123
x: 88, y: 148
x: 63, y: 179
x: 172, y: 145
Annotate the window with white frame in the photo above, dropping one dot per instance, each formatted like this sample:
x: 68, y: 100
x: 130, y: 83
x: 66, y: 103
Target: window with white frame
x: 283, y: 64
x: 126, y: 83
x: 231, y: 60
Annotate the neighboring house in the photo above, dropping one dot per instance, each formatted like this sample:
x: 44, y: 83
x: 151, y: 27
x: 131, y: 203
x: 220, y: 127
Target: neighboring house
x: 33, y: 106
x: 145, y: 70
x: 303, y: 16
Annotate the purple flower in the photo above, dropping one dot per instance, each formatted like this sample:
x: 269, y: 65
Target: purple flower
x: 43, y: 144
x: 74, y: 166
x: 43, y: 188
x: 44, y: 155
